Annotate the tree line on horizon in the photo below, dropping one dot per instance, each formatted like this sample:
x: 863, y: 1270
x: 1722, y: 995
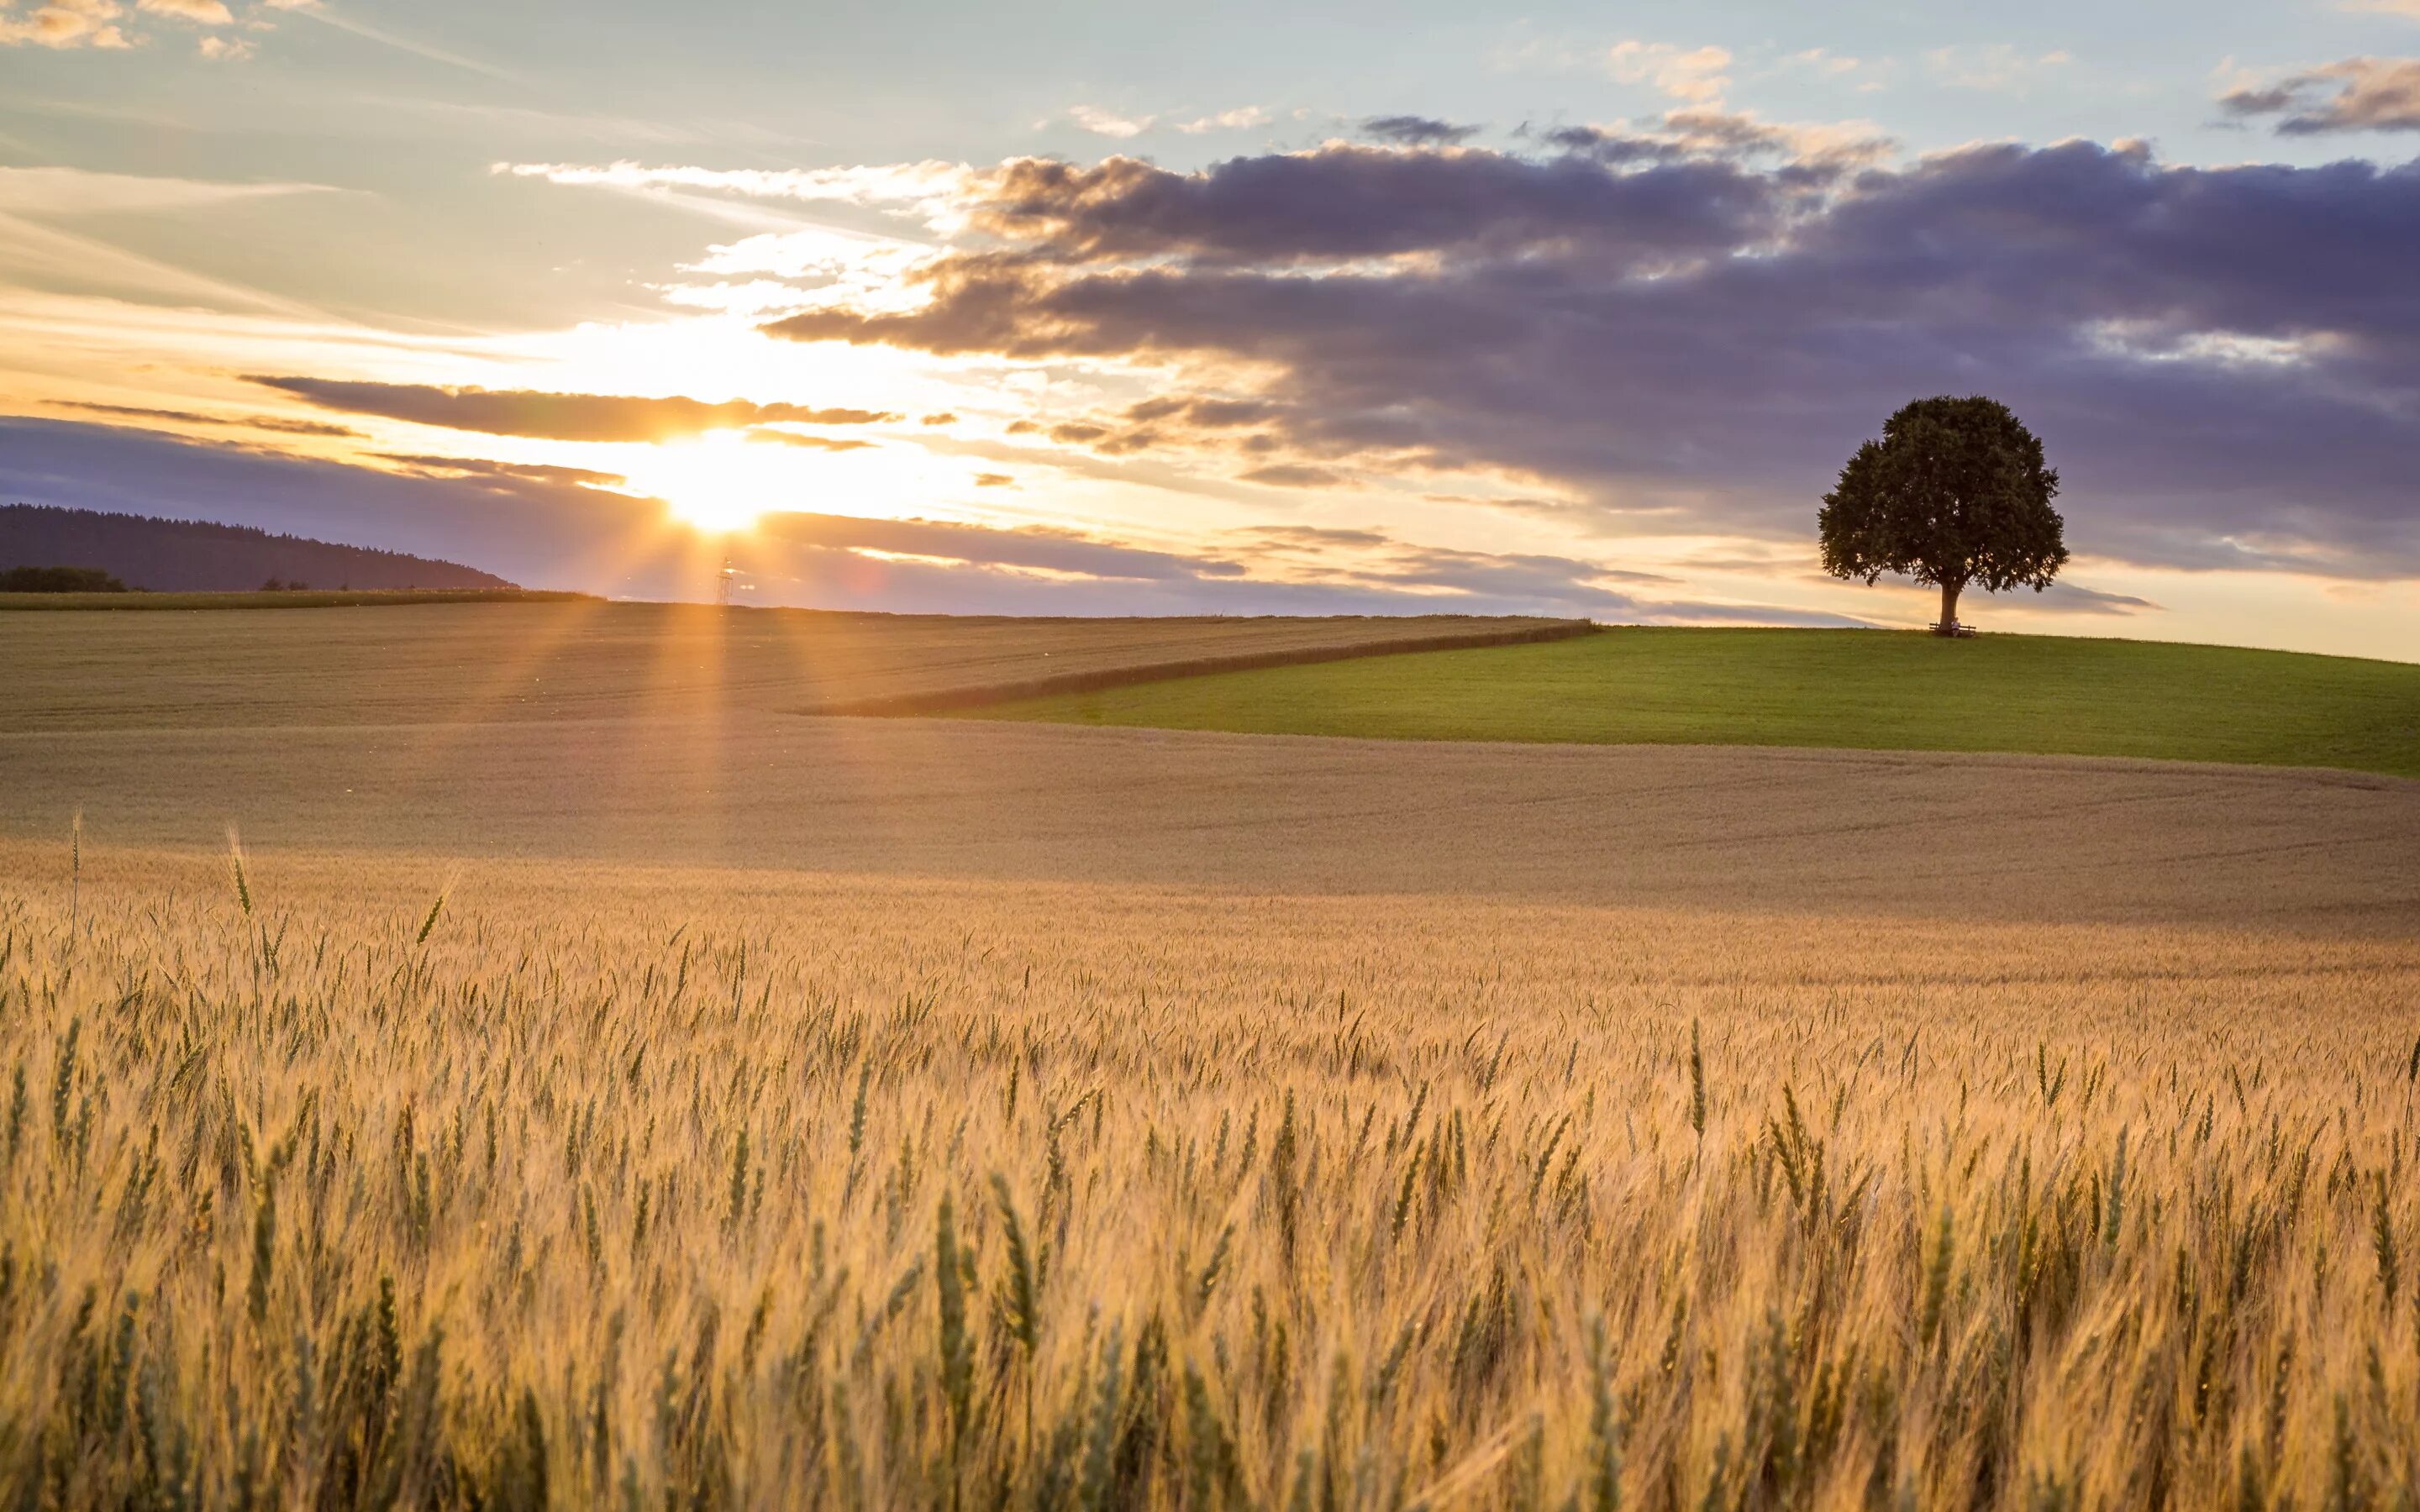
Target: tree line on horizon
x: 194, y: 556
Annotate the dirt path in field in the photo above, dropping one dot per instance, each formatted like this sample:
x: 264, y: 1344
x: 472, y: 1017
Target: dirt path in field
x: 1831, y: 832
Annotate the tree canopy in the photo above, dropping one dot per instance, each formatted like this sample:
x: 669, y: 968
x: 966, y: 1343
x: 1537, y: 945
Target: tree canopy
x: 1955, y: 493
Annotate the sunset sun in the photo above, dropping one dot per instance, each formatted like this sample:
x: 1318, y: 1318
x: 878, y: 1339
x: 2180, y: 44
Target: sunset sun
x: 721, y: 481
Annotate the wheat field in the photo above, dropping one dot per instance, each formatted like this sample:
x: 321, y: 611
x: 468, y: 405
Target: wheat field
x: 341, y: 1180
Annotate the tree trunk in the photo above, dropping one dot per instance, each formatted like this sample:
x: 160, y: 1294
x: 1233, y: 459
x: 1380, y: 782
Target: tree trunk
x: 1950, y: 607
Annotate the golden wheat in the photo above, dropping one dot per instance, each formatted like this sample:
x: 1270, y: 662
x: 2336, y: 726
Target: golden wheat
x: 592, y: 1186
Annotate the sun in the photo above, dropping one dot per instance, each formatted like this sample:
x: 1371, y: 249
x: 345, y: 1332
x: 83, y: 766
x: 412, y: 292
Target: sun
x: 721, y: 481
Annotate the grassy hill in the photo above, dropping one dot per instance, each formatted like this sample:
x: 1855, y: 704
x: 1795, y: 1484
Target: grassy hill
x: 1868, y: 689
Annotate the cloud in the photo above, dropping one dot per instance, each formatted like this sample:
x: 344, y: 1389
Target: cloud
x: 2359, y: 93
x: 68, y: 192
x: 1121, y: 127
x: 2225, y: 361
x: 924, y: 190
x: 813, y: 443
x: 567, y: 417
x: 995, y: 480
x: 1811, y: 152
x: 225, y: 49
x: 1297, y: 476
x: 278, y: 423
x: 63, y: 24
x: 200, y: 12
x: 1109, y: 123
x: 1998, y: 68
x: 2074, y: 598
x: 942, y: 418
x: 1824, y: 61
x: 2409, y: 9
x: 1347, y: 201
x: 1242, y: 119
x: 1417, y: 130
x: 1048, y: 550
x: 1695, y: 74
x: 473, y: 467
x: 328, y: 16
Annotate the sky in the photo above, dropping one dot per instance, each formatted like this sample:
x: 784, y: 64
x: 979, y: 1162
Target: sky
x: 1256, y: 308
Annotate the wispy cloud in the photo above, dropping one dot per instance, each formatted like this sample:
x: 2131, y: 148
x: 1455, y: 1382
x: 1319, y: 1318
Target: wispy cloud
x: 71, y: 192
x: 1417, y: 130
x: 1122, y: 125
x: 570, y: 417
x: 1109, y: 123
x: 1998, y: 68
x: 2359, y: 93
x: 278, y: 423
x: 1696, y: 74
x: 929, y: 190
x: 1242, y: 119
x: 327, y: 15
x: 32, y: 244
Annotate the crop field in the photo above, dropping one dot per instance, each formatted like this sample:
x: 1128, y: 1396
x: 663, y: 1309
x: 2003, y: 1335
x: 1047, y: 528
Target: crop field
x: 1877, y: 690
x: 341, y: 1184
x: 583, y: 659
x: 638, y: 1092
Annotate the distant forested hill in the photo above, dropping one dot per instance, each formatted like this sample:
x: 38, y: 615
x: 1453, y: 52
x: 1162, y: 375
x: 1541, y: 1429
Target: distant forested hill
x: 172, y: 555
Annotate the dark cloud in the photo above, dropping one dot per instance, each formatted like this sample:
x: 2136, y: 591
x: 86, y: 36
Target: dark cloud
x: 1048, y: 550
x: 473, y: 467
x: 944, y: 418
x: 2225, y: 361
x: 1347, y: 201
x: 1417, y: 130
x: 565, y: 417
x: 1811, y: 157
x: 1297, y: 476
x: 2360, y: 94
x: 2074, y: 598
x: 283, y: 426
x: 1305, y: 537
x: 277, y: 423
x: 995, y: 480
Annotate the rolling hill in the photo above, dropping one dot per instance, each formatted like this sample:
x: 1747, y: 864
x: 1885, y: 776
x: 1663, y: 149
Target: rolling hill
x: 192, y: 556
x: 1873, y: 690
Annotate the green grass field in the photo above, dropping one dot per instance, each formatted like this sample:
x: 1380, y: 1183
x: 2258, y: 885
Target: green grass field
x: 1854, y: 689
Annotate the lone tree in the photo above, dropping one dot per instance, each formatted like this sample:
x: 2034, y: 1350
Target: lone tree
x: 1954, y: 493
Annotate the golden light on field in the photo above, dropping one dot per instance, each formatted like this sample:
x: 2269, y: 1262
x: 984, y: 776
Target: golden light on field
x: 1677, y: 1208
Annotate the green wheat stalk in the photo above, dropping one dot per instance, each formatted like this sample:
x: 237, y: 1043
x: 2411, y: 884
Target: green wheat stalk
x: 242, y: 887
x: 430, y: 922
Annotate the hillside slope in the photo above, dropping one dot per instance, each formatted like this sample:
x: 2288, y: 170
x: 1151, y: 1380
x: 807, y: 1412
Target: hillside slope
x: 191, y: 556
x: 1877, y: 690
